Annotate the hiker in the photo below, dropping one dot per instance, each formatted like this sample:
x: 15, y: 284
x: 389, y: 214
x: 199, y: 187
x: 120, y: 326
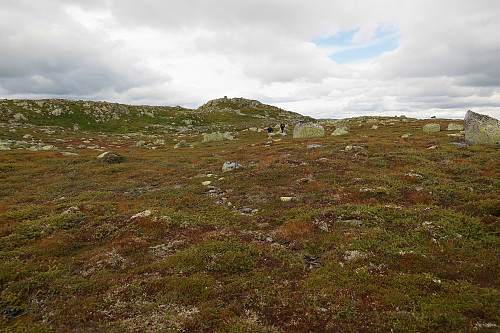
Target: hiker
x: 282, y: 127
x: 269, y: 129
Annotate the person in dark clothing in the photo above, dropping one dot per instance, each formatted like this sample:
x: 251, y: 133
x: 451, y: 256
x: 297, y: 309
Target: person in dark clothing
x: 282, y: 127
x: 270, y: 129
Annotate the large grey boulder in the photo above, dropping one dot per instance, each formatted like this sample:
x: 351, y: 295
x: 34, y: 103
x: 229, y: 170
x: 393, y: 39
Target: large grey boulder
x: 308, y: 130
x: 481, y: 129
x: 217, y: 136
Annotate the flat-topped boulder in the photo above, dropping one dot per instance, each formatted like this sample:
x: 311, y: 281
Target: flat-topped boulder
x: 481, y: 129
x: 432, y: 128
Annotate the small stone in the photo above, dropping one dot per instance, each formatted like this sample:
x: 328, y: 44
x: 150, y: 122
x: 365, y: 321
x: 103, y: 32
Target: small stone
x: 406, y: 135
x: 349, y: 148
x: 206, y: 183
x: 28, y: 136
x: 286, y: 199
x: 142, y: 214
x: 71, y: 210
x: 353, y: 255
x: 374, y: 127
x: 314, y: 146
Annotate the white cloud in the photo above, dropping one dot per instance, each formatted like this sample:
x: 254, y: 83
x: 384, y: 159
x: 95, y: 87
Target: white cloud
x: 185, y: 52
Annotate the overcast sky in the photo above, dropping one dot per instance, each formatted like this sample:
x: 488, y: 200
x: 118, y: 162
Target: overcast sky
x: 323, y: 58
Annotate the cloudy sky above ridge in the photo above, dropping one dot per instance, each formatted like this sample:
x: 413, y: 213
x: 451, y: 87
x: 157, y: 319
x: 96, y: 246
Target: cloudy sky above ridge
x: 324, y: 58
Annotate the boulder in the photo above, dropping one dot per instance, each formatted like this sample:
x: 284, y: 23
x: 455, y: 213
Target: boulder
x: 455, y: 127
x: 217, y: 136
x: 308, y: 130
x: 230, y: 166
x: 19, y: 117
x: 110, y: 157
x: 432, y: 128
x: 339, y: 131
x: 183, y: 144
x: 481, y: 129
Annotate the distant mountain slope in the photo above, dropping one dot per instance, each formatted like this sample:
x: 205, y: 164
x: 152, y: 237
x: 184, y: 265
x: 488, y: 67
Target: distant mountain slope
x: 220, y: 114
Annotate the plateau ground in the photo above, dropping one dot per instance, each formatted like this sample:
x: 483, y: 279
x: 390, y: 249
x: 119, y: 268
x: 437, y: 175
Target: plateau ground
x: 385, y: 227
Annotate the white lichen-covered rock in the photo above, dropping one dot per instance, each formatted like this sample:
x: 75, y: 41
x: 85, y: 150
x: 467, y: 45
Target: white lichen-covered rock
x: 19, y: 117
x: 49, y: 147
x: 481, y: 129
x: 308, y: 130
x: 230, y: 166
x: 432, y: 128
x: 339, y: 131
x: 217, y: 136
x: 145, y: 213
x: 455, y: 127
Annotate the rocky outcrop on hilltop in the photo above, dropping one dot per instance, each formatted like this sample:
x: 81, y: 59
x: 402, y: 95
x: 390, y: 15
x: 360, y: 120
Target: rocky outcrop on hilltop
x: 251, y: 108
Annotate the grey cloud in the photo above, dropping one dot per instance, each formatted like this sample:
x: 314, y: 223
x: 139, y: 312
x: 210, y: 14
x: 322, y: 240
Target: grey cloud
x: 45, y: 52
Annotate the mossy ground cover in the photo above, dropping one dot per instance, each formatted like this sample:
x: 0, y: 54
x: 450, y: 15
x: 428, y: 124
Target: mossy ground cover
x: 394, y: 234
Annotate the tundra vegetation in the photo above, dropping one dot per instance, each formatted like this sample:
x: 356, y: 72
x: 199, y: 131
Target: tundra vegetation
x: 377, y: 232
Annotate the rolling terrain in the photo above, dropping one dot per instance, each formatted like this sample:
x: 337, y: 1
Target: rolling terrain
x: 364, y: 232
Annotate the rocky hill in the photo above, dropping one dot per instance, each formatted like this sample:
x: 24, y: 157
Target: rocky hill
x: 93, y: 116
